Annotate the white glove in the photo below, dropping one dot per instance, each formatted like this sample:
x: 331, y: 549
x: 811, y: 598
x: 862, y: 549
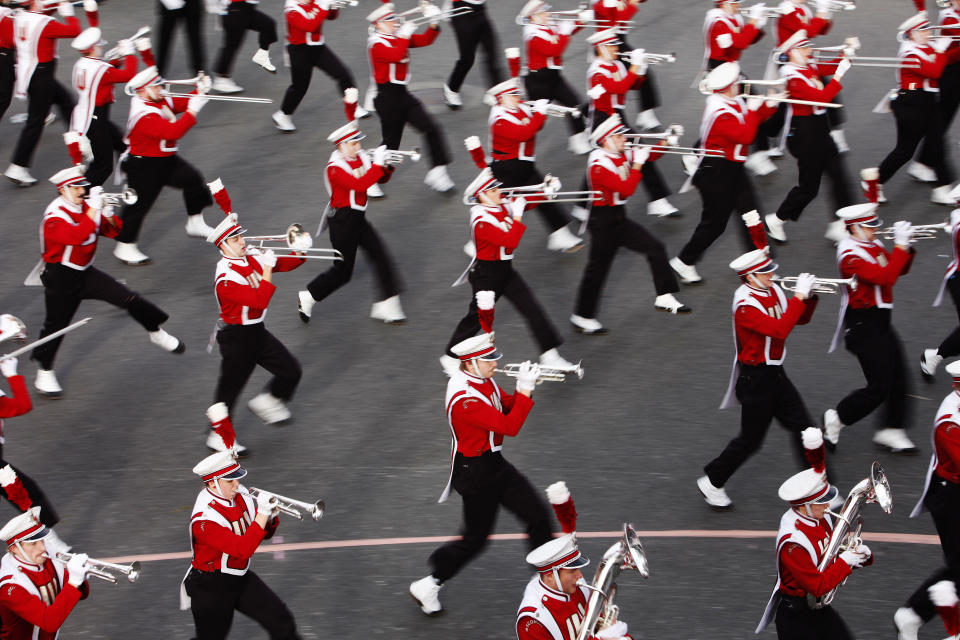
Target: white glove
x: 596, y: 91
x: 676, y: 130
x: 125, y: 47
x: 842, y: 69
x: 853, y: 42
x: 566, y: 27
x: 940, y: 43
x: 638, y: 57
x: 757, y: 13
x: 865, y: 552
x: 90, y: 6
x: 551, y: 184
x: 143, y: 44
x: 640, y: 155
x: 95, y: 198
x: 772, y: 104
x: 266, y: 503
x: 751, y: 218
x: 673, y: 141
x: 406, y: 30
x: 8, y: 367
x: 197, y: 103
x: 541, y: 106
x: 268, y: 258
x: 380, y: 155
x: 586, y: 15
x: 517, y: 206
x: 853, y: 558
x: 804, y: 284
x: 754, y: 102
x: 617, y: 630
x: 824, y: 8
x: 430, y: 11
x: 902, y: 233
x: 724, y: 40
x: 65, y: 9
x: 527, y: 376
x: 77, y: 569
x: 204, y: 83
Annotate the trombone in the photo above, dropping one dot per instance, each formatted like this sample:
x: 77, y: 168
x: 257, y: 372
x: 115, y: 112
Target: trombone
x: 671, y: 150
x: 296, y: 239
x: 544, y: 191
x: 827, y: 57
x: 820, y: 285
x: 173, y: 94
x: 574, y: 15
x: 920, y: 231
x: 424, y: 19
x: 547, y: 374
x: 114, y: 53
x: 557, y: 110
x: 343, y: 4
x: 652, y: 58
x: 292, y: 507
x: 102, y: 569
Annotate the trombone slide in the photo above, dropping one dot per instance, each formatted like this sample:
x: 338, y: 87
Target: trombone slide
x: 45, y: 339
x: 811, y: 103
x: 683, y: 151
x: 172, y: 94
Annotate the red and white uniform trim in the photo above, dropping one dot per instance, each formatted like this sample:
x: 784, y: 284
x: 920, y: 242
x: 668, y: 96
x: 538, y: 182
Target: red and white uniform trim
x: 513, y: 132
x: 803, y: 83
x: 794, y: 17
x: 347, y: 181
x: 36, y: 37
x: 69, y: 237
x: 927, y: 77
x: 239, y: 302
x: 728, y: 125
x: 545, y: 47
x: 548, y: 614
x: 610, y: 16
x: 717, y: 23
x: 93, y: 80
x: 153, y: 129
x: 17, y: 404
x: 35, y: 601
x: 945, y: 447
x: 389, y: 58
x: 613, y: 176
x: 616, y: 79
x: 305, y: 21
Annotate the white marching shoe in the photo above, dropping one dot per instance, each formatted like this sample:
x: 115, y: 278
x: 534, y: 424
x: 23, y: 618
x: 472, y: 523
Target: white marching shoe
x: 666, y: 302
x: 196, y: 227
x: 361, y: 113
x: 579, y: 143
x: 661, y: 207
x: 374, y: 191
x: 46, y: 383
x: 587, y: 326
x: 305, y: 305
x: 438, y: 179
x: 759, y: 164
x: 836, y: 231
x: 262, y: 58
x: 687, y: 272
x: 775, y: 150
x: 128, y: 253
x: 283, y: 122
x: 269, y: 408
x: 921, y: 172
x: 388, y: 311
x: 776, y: 227
x: 451, y: 98
x: 840, y: 139
x: 426, y: 592
x: 449, y: 364
x: 647, y: 120
x: 716, y: 497
x: 831, y: 428
x: 552, y: 358
x: 580, y: 213
x: 215, y: 443
x: 166, y: 341
x: 564, y: 241
x: 929, y: 360
x: 894, y: 440
x: 225, y: 84
x: 20, y: 176
x: 908, y: 623
x: 941, y: 195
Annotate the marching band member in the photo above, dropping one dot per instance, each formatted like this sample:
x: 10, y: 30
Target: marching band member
x: 496, y: 227
x: 242, y: 16
x: 866, y: 313
x: 153, y: 134
x: 473, y: 29
x: 36, y: 77
x: 68, y: 242
x: 941, y: 496
x: 350, y: 172
x: 808, y: 137
x: 37, y: 592
x: 513, y: 138
x: 388, y: 48
x: 307, y: 48
x: 545, y: 44
x: 762, y: 321
x: 915, y: 108
x: 480, y: 415
x: 616, y: 174
x: 8, y: 56
x: 609, y: 80
x: 226, y: 527
x: 244, y: 287
x: 729, y: 125
x: 804, y: 533
x: 93, y: 80
x: 931, y: 358
x: 190, y: 12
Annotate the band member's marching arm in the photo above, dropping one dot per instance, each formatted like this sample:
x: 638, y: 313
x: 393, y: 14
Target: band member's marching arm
x: 799, y: 16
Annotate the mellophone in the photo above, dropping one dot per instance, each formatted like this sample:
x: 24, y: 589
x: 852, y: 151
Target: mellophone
x: 102, y: 569
x: 547, y: 374
x: 291, y: 507
x: 296, y: 239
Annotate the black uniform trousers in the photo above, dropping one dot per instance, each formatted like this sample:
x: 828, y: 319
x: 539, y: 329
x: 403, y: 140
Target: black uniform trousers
x: 724, y: 187
x: 500, y: 277
x: 551, y: 85
x: 765, y: 392
x: 8, y: 75
x: 66, y: 288
x: 810, y: 143
x: 485, y: 483
x: 652, y: 180
x: 517, y: 173
x: 474, y: 30
x: 148, y: 176
x: 350, y: 230
x: 243, y: 347
x: 396, y: 107
x: 918, y: 118
x: 871, y: 337
x: 191, y: 14
x: 43, y: 92
x: 947, y: 103
x: 797, y: 621
x: 610, y: 229
x: 48, y: 515
x: 951, y: 344
x: 214, y: 596
x: 105, y: 139
x: 943, y: 501
x: 240, y: 18
x: 303, y: 59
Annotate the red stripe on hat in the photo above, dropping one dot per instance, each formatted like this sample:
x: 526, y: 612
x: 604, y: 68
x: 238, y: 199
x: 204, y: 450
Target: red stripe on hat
x: 223, y: 236
x: 811, y: 498
x: 867, y: 218
x: 347, y: 136
x: 24, y: 534
x: 559, y: 563
x: 477, y: 354
x: 754, y: 267
x: 485, y: 185
x: 69, y: 181
x: 222, y: 472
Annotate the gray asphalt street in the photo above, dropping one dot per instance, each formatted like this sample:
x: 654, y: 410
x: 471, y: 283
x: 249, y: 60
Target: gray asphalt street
x: 369, y: 434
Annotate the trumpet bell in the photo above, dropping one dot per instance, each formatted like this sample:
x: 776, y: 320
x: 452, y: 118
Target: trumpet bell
x: 129, y: 196
x: 134, y: 573
x: 882, y: 494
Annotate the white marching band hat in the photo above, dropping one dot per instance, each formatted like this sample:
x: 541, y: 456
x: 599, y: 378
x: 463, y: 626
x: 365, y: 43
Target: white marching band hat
x: 919, y: 21
x: 607, y: 36
x: 222, y: 464
x: 507, y: 87
x: 608, y: 127
x: 70, y: 177
x: 756, y: 261
x: 532, y: 7
x: 346, y: 133
x: 864, y: 214
x: 797, y: 40
x: 559, y: 553
x: 228, y: 228
x: 807, y: 487
x: 87, y: 39
x: 720, y: 78
x: 479, y: 347
x: 484, y: 181
x: 384, y: 12
x: 148, y: 76
x: 26, y: 527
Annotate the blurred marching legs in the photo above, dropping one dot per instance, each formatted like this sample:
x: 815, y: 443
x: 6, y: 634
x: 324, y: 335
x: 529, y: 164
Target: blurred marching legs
x: 46, y: 383
x: 686, y: 272
x: 426, y: 592
x: 661, y: 208
x: 759, y: 164
x: 388, y: 311
x: 166, y: 341
x: 564, y: 241
x: 666, y: 302
x: 840, y: 139
x: 647, y: 120
x: 128, y: 253
x: 451, y: 98
x: 305, y: 307
x: 196, y: 227
x: 777, y: 227
x: 908, y: 623
x: 894, y: 440
x: 941, y: 195
x: 552, y: 358
x: 215, y: 443
x: 587, y: 326
x: 225, y: 84
x: 831, y: 428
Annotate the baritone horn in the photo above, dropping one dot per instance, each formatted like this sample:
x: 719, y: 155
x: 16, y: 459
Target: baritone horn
x: 103, y: 570
x: 547, y: 374
x: 292, y: 507
x: 820, y: 285
x: 296, y: 239
x: 127, y: 196
x: 920, y: 231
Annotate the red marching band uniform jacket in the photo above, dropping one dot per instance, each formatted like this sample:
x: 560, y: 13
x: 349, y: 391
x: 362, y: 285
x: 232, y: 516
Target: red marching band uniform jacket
x: 240, y: 303
x: 729, y: 126
x: 945, y: 438
x: 803, y: 83
x: 718, y: 23
x: 305, y: 21
x: 548, y: 614
x: 223, y: 535
x: 389, y: 58
x: 93, y: 80
x: 6, y: 28
x: 616, y: 79
x: 949, y: 16
x: 927, y: 76
x: 69, y: 237
x: 955, y: 263
x: 36, y: 39
x: 153, y: 128
x: 613, y: 176
x: 545, y: 47
x: 347, y: 181
x: 17, y: 404
x: 763, y: 320
x: 35, y: 600
x: 513, y: 132
x: 794, y: 17
x: 613, y: 13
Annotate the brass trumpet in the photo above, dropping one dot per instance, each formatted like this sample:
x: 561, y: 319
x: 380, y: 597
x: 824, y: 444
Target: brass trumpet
x: 292, y: 507
x: 101, y: 569
x: 127, y: 196
x: 652, y: 58
x: 547, y: 374
x: 920, y: 231
x: 769, y: 13
x: 395, y: 156
x: 820, y: 285
x: 557, y: 110
x: 296, y: 239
